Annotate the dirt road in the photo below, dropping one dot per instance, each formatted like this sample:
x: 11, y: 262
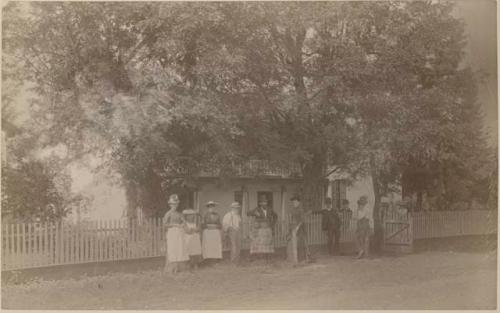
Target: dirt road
x: 429, y: 280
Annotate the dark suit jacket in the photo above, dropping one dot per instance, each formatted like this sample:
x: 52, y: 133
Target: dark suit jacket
x: 330, y: 219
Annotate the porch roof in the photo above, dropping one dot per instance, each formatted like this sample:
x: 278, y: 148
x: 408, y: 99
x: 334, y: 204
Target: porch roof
x: 246, y: 169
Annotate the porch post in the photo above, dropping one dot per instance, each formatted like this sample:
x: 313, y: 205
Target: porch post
x: 283, y: 194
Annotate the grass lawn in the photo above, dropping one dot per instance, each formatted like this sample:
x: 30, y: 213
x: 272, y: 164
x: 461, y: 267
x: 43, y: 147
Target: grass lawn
x: 425, y: 280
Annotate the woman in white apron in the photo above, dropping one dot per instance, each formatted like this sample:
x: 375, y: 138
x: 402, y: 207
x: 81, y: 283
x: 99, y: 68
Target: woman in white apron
x: 177, y: 251
x: 212, y: 236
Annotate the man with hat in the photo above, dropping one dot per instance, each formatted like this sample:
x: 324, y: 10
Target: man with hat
x: 231, y: 226
x: 330, y: 224
x: 261, y: 236
x: 212, y: 236
x: 297, y: 249
x: 363, y: 227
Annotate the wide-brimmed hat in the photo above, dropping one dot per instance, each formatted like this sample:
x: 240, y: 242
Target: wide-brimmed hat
x: 173, y: 199
x: 235, y: 205
x: 189, y: 212
x: 211, y: 203
x: 295, y: 197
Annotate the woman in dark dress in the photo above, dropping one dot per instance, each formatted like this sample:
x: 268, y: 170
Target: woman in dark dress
x: 261, y: 235
x: 297, y: 249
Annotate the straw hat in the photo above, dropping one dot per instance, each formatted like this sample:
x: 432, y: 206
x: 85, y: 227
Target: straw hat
x: 211, y: 203
x: 235, y: 205
x: 174, y: 199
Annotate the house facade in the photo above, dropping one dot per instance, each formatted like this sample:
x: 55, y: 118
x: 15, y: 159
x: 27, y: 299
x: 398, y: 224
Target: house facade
x: 277, y: 182
x: 248, y: 182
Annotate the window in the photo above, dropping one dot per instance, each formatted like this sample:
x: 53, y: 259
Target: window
x: 268, y: 195
x: 238, y: 196
x: 339, y: 192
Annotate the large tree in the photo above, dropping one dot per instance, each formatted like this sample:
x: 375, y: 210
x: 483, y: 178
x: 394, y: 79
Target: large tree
x: 368, y: 87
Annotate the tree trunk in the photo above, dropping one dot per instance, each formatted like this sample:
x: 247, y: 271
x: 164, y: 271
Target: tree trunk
x: 313, y: 184
x: 419, y: 200
x: 131, y: 194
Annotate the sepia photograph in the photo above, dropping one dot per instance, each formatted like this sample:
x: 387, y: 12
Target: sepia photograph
x: 249, y: 155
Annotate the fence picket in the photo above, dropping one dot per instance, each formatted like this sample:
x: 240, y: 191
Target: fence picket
x: 57, y: 245
x: 105, y: 241
x: 11, y: 230
x: 122, y: 239
x: 5, y: 245
x: 29, y: 250
x: 81, y: 245
x: 37, y: 257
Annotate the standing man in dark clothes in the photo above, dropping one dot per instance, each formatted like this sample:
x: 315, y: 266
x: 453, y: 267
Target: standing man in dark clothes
x: 330, y: 223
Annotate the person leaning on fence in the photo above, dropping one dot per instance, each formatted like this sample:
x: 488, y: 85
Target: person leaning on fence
x: 231, y: 225
x: 297, y: 248
x: 363, y: 221
x: 212, y: 236
x: 330, y: 224
x: 193, y: 237
x: 261, y: 235
x: 177, y: 251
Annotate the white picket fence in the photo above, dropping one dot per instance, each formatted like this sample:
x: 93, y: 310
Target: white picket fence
x: 47, y: 244
x: 436, y: 224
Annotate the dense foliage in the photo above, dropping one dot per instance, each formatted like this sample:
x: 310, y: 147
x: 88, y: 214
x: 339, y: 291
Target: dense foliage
x: 366, y: 87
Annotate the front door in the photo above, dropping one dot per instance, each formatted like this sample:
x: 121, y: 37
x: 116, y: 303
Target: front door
x: 269, y: 197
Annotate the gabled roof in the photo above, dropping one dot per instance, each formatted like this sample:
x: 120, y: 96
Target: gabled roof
x: 245, y: 169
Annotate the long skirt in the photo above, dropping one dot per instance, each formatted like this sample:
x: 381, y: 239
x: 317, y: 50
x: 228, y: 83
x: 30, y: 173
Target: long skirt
x: 262, y: 241
x: 363, y: 235
x: 193, y: 244
x: 212, y: 244
x: 176, y: 245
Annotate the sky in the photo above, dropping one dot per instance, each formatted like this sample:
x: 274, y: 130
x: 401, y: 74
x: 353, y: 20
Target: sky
x: 481, y: 31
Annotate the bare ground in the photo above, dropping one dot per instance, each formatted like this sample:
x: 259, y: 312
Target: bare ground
x: 427, y: 280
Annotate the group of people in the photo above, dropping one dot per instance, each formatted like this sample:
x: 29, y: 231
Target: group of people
x: 195, y: 239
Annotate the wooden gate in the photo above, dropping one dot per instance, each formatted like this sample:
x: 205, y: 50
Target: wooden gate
x: 398, y: 231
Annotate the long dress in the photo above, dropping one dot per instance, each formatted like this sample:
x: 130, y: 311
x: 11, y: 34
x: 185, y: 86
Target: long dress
x: 262, y: 231
x: 297, y: 249
x: 212, y: 237
x: 176, y: 238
